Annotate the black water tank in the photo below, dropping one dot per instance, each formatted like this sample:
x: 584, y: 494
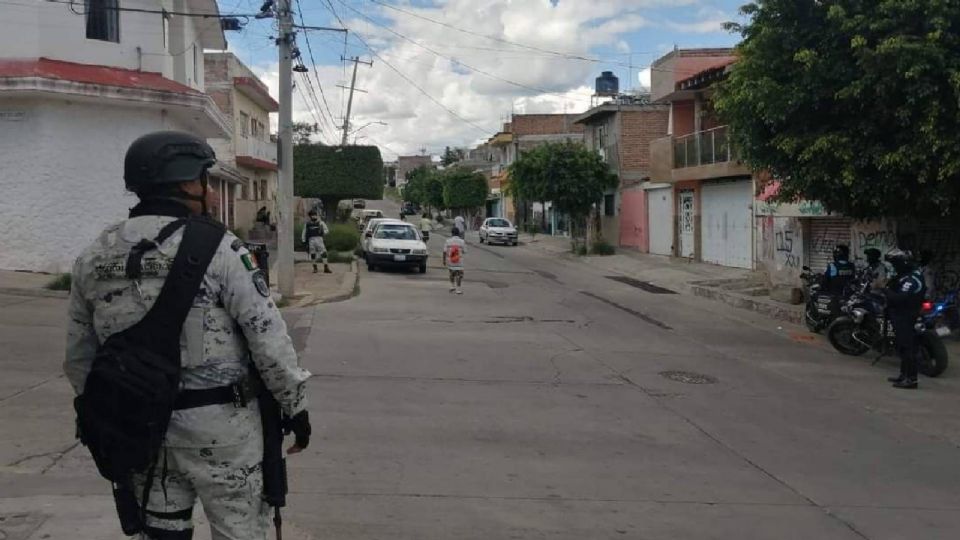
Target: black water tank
x: 608, y: 84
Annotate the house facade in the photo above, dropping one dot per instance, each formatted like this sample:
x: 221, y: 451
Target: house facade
x: 621, y: 132
x: 709, y: 195
x: 407, y: 164
x: 250, y: 153
x: 76, y: 88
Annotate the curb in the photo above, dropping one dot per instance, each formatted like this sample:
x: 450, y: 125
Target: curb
x: 38, y: 293
x: 346, y: 291
x: 786, y: 313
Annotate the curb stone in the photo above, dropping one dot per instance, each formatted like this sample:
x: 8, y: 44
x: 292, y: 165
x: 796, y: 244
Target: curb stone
x: 39, y: 293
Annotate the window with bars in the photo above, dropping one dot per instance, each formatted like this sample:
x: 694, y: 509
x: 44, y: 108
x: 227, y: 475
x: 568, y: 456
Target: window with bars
x: 244, y: 124
x: 103, y: 20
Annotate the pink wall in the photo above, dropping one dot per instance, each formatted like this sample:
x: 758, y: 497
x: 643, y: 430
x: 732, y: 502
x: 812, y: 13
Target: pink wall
x: 633, y: 220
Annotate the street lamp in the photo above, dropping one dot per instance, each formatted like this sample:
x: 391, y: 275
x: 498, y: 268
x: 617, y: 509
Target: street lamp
x: 368, y: 124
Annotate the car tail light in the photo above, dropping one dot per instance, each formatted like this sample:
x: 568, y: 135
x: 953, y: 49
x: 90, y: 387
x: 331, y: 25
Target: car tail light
x: 927, y: 306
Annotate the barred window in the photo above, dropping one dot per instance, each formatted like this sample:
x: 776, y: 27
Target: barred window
x: 103, y: 20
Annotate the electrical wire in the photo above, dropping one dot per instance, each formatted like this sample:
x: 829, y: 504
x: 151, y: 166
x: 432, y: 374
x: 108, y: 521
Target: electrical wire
x: 313, y: 64
x: 72, y: 3
x: 458, y: 62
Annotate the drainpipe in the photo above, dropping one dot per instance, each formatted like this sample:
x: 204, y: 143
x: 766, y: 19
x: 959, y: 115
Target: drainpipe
x: 139, y: 58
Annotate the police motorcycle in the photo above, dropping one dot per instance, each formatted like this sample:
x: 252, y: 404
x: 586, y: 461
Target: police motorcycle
x: 943, y: 315
x: 863, y: 326
x: 822, y: 308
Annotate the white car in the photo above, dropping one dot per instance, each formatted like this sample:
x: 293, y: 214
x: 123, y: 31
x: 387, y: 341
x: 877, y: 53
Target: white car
x: 396, y: 243
x: 498, y: 230
x: 370, y: 226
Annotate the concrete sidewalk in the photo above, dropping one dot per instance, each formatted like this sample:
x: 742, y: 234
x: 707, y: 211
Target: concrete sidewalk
x: 28, y: 284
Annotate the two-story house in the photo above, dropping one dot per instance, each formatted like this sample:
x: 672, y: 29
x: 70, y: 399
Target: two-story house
x: 78, y: 83
x: 621, y: 131
x: 252, y: 150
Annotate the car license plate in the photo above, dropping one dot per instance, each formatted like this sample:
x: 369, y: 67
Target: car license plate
x: 399, y: 258
x: 943, y: 331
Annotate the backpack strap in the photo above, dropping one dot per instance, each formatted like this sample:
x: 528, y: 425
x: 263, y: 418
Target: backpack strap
x: 164, y: 321
x: 135, y: 257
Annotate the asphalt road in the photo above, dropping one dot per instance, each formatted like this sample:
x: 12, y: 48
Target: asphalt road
x: 552, y: 402
x: 546, y: 402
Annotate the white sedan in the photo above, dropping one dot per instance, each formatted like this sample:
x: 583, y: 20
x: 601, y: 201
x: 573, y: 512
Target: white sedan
x: 498, y: 230
x: 396, y: 244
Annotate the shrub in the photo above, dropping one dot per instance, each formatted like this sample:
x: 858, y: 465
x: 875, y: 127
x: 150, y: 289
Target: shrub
x: 59, y: 283
x: 297, y: 232
x: 603, y: 248
x: 339, y: 257
x: 580, y: 250
x: 342, y: 237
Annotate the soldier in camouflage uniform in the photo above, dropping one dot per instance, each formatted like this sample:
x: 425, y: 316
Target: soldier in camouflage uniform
x: 211, y: 452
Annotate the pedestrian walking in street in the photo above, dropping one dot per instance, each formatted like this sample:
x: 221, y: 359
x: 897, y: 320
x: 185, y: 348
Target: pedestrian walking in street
x: 312, y: 237
x: 459, y: 224
x: 426, y: 225
x: 175, y: 349
x: 453, y: 251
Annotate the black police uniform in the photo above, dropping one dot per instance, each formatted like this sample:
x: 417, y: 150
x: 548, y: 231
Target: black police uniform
x: 905, y: 294
x: 838, y: 275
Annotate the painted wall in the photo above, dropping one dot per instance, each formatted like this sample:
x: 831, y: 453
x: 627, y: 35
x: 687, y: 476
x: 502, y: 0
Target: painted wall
x: 51, y: 30
x: 633, y: 220
x: 62, y: 178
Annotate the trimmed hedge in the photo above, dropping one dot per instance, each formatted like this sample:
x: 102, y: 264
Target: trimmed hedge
x: 342, y: 237
x: 337, y: 173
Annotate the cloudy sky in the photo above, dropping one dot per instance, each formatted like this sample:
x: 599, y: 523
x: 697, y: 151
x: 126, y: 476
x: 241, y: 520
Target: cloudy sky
x: 449, y: 72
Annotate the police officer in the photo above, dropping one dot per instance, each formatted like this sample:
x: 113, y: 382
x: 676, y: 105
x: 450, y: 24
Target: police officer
x: 211, y: 452
x: 904, y: 301
x: 876, y: 271
x: 839, y: 273
x: 312, y: 236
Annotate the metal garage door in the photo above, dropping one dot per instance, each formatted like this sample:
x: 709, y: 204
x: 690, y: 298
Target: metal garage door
x: 660, y: 219
x: 824, y: 235
x: 726, y: 231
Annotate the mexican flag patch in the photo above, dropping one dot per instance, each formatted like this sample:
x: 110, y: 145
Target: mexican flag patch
x: 249, y: 262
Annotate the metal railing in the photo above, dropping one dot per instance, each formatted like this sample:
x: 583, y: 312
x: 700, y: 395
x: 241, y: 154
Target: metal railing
x: 256, y: 148
x: 703, y: 148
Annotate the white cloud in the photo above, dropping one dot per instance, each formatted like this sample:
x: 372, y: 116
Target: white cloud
x: 644, y: 77
x: 523, y: 80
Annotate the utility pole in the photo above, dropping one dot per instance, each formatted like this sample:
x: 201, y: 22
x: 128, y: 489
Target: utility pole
x: 353, y: 82
x: 285, y: 272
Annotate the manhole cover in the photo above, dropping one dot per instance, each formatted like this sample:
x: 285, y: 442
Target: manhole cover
x: 689, y: 377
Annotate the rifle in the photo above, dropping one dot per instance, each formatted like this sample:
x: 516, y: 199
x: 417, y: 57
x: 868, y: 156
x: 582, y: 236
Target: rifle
x: 274, y: 464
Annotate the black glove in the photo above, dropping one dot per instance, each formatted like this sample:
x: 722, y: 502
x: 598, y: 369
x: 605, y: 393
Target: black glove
x: 300, y: 426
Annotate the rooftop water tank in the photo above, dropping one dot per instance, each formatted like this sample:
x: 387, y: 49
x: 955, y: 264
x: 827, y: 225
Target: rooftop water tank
x: 607, y: 84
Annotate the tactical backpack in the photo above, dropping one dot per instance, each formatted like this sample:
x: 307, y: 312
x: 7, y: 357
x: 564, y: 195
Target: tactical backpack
x: 133, y: 385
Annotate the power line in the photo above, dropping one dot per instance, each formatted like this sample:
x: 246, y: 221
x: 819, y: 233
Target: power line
x: 72, y: 3
x: 455, y: 61
x: 410, y: 81
x: 313, y: 64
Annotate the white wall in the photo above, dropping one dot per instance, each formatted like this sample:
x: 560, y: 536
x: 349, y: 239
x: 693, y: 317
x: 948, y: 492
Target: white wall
x: 52, y: 30
x: 62, y: 178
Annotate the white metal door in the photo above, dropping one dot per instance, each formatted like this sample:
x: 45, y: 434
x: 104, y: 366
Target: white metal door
x: 660, y: 220
x: 686, y: 214
x: 824, y: 235
x: 725, y: 232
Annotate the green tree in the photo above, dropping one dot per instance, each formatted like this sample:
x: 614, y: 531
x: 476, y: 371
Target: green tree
x: 463, y: 189
x: 567, y: 174
x: 855, y: 104
x: 451, y: 156
x: 333, y: 173
x: 302, y: 132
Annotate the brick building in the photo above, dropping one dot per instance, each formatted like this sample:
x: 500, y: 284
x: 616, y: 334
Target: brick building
x: 621, y: 133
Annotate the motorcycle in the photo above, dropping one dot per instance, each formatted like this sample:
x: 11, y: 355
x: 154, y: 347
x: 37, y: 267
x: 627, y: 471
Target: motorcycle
x: 943, y: 316
x: 864, y: 325
x: 820, y: 308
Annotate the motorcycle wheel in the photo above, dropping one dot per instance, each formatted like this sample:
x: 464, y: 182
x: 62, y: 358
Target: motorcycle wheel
x: 933, y: 355
x: 811, y: 317
x: 840, y: 335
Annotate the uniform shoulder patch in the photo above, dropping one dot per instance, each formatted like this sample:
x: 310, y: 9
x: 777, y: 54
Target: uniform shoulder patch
x: 249, y: 261
x: 260, y: 282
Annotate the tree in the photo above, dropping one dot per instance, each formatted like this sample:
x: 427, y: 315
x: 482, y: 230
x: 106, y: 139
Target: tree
x: 567, y: 174
x: 334, y: 173
x: 463, y: 189
x: 451, y: 156
x: 855, y: 104
x: 302, y: 132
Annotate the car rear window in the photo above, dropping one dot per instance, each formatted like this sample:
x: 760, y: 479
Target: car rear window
x: 396, y: 232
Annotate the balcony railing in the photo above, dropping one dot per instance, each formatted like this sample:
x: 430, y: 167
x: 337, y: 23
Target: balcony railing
x: 256, y: 148
x: 703, y: 148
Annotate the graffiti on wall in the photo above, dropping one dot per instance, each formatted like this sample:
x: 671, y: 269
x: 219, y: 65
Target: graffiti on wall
x: 881, y: 235
x: 788, y: 242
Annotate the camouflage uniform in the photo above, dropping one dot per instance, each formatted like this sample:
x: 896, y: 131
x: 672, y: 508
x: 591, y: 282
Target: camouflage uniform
x: 212, y: 452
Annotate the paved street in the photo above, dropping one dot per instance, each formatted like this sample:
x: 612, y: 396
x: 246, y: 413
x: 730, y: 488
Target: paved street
x: 547, y: 402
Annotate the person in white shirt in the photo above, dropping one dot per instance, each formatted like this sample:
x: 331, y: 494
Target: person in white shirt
x: 459, y: 225
x: 453, y: 252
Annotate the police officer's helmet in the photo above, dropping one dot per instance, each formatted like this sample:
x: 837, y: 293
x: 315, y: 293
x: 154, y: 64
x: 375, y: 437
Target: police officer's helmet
x: 166, y: 157
x: 873, y: 255
x: 900, y: 259
x: 841, y: 253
